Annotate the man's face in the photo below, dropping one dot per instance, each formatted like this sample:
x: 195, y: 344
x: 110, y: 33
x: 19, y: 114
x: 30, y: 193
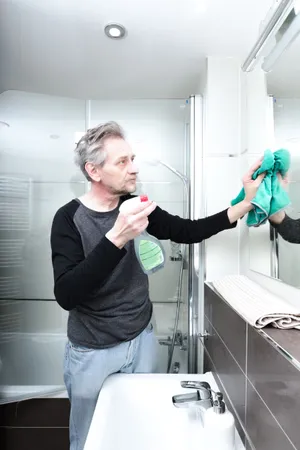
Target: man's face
x: 119, y: 172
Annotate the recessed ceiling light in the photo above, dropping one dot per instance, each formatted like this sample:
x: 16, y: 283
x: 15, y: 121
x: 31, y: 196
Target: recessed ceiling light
x: 115, y: 31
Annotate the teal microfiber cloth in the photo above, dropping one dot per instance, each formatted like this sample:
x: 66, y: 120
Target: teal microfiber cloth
x: 271, y: 196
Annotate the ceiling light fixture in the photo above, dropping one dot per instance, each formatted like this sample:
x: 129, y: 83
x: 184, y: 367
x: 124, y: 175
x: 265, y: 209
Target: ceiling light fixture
x: 281, y: 12
x: 4, y: 124
x: 115, y: 31
x: 289, y: 36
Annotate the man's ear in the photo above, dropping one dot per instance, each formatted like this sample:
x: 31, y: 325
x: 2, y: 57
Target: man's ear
x: 93, y: 171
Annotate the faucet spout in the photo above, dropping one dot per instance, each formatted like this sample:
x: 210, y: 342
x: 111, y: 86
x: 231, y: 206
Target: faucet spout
x: 200, y: 386
x: 181, y: 400
x: 202, y: 397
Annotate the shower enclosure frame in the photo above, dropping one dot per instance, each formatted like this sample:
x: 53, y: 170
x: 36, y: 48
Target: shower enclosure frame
x: 196, y: 208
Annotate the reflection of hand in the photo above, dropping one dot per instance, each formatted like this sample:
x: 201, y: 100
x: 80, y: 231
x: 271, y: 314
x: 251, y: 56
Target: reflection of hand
x: 284, y: 181
x: 277, y: 218
x: 251, y: 186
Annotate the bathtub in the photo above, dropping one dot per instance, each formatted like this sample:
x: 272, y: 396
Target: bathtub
x: 31, y: 365
x: 9, y: 394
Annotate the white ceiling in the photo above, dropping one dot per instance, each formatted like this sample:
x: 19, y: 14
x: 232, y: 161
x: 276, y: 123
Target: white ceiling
x: 58, y: 46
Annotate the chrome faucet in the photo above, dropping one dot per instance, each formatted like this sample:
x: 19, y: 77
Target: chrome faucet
x: 180, y: 341
x: 202, y: 397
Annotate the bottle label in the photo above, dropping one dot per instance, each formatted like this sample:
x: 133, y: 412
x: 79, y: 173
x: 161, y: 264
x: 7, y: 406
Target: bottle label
x: 151, y: 255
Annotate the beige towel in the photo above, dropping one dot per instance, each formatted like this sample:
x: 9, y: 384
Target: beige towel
x: 257, y: 305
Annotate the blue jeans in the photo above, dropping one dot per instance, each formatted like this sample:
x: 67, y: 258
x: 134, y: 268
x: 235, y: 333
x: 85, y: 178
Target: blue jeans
x: 85, y: 370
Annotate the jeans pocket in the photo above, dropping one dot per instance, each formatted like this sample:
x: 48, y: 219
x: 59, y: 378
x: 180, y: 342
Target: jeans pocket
x: 80, y: 348
x: 149, y: 328
x: 66, y: 353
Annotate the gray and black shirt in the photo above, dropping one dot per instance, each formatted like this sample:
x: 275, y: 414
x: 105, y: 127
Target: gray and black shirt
x: 289, y: 229
x: 103, y: 287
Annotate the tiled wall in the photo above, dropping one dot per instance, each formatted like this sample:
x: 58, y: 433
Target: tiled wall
x: 224, y: 99
x: 261, y: 385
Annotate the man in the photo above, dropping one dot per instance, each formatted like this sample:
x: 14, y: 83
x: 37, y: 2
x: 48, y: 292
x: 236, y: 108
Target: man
x: 288, y: 228
x: 98, y: 278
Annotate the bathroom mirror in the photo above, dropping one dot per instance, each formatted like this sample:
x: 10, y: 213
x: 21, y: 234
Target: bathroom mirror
x: 270, y: 254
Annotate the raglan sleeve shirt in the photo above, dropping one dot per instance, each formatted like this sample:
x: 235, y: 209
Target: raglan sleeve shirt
x: 77, y: 276
x: 289, y: 229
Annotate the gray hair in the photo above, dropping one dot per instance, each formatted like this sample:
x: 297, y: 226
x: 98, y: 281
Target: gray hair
x: 90, y: 148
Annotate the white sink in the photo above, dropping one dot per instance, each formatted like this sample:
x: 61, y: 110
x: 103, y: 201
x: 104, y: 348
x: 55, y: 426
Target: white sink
x: 135, y: 412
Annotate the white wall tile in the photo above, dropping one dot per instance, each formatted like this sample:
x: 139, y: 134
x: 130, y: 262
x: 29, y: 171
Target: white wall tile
x: 257, y: 112
x: 223, y: 102
x: 222, y: 182
x: 222, y: 255
x: 222, y: 186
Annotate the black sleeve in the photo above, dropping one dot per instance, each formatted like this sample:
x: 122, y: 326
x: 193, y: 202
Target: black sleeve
x: 185, y: 231
x: 76, y: 277
x: 289, y: 229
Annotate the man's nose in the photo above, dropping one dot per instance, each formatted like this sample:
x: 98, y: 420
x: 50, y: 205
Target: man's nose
x: 133, y: 168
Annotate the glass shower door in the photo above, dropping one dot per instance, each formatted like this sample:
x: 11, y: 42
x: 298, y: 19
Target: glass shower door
x: 32, y: 325
x: 37, y: 176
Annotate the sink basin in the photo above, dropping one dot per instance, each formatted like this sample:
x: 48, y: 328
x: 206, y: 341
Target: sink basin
x: 135, y: 412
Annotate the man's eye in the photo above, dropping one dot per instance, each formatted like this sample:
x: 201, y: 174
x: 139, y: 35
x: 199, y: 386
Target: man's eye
x: 123, y: 161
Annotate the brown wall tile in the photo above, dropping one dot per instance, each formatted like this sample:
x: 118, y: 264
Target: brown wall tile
x: 47, y: 412
x: 261, y: 426
x: 277, y: 381
x: 229, y: 325
x: 34, y: 438
x: 227, y: 369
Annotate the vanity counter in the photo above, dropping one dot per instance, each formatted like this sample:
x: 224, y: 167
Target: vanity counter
x: 259, y: 371
x: 287, y: 342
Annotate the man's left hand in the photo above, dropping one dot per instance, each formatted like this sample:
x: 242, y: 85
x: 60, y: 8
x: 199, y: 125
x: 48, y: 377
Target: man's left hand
x: 251, y: 186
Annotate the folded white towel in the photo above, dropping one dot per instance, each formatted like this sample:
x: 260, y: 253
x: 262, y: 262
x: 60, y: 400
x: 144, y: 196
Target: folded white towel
x: 257, y: 305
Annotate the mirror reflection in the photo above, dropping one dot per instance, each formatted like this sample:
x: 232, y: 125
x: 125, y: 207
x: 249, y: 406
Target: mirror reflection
x: 274, y: 247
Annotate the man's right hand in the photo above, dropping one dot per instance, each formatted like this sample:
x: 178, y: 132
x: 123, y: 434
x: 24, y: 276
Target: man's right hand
x: 284, y: 181
x: 130, y: 225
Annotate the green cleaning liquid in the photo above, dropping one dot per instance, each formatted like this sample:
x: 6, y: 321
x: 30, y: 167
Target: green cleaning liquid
x: 149, y: 251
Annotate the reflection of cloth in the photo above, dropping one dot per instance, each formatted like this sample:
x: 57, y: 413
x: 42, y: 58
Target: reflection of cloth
x: 257, y: 305
x: 270, y: 197
x: 289, y: 229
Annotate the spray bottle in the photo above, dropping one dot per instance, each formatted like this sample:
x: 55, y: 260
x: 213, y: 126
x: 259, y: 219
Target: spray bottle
x: 149, y: 251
